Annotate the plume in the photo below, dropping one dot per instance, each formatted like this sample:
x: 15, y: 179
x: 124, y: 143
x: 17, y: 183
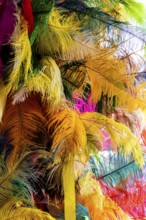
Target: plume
x: 112, y: 80
x: 120, y: 134
x: 16, y: 209
x: 67, y: 131
x: 99, y: 206
x: 71, y: 132
x: 101, y: 18
x: 57, y: 30
x: 130, y: 198
x: 26, y: 127
x: 22, y: 64
x: 112, y: 168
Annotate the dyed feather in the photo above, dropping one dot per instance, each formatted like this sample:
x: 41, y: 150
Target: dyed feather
x: 102, y: 17
x: 48, y: 82
x: 22, y: 65
x: 68, y: 132
x: 16, y: 209
x: 28, y: 14
x: 108, y: 76
x: 112, y: 168
x: 121, y: 136
x: 57, y: 30
x: 71, y: 132
x: 74, y: 77
x: 15, y: 180
x: 130, y: 198
x: 26, y: 127
x: 99, y: 206
x: 42, y: 12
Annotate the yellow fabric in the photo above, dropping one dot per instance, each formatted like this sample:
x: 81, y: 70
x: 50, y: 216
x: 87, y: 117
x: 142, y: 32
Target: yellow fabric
x: 69, y: 190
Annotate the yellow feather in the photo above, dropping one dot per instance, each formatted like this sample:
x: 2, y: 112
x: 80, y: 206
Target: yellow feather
x: 22, y: 65
x: 121, y: 136
x: 108, y: 76
x: 98, y: 205
x: 47, y: 82
x: 73, y: 133
x: 68, y: 132
x: 57, y: 38
x: 15, y: 210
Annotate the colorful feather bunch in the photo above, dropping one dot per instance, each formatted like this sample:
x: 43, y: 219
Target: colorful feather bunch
x: 72, y: 110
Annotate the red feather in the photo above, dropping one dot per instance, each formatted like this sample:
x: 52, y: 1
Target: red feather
x: 132, y: 198
x: 28, y: 14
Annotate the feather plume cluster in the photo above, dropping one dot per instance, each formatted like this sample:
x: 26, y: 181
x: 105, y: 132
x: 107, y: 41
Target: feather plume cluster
x: 72, y: 110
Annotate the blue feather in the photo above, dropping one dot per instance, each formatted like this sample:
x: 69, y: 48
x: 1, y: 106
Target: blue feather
x: 112, y: 168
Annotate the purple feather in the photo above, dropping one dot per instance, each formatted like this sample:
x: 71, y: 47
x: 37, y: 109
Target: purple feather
x: 7, y: 24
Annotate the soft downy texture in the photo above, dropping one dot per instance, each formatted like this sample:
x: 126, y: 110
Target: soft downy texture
x: 78, y: 53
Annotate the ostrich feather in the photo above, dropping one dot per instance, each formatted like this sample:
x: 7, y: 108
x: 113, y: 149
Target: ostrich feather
x: 22, y: 64
x: 131, y: 198
x: 108, y: 76
x: 16, y: 209
x: 67, y: 131
x: 26, y: 127
x: 71, y: 132
x: 121, y: 137
x: 42, y: 12
x: 15, y: 180
x: 74, y: 77
x: 99, y: 206
x: 48, y: 82
x: 57, y: 30
x: 112, y: 168
x: 103, y: 18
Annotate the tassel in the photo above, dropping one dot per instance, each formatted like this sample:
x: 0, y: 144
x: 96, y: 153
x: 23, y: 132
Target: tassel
x: 28, y: 14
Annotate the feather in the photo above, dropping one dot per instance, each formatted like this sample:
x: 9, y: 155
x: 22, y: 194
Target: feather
x: 67, y: 131
x: 41, y: 11
x: 135, y: 10
x: 108, y: 76
x: 16, y: 209
x: 121, y: 137
x: 7, y: 10
x: 99, y: 206
x: 14, y: 181
x: 47, y: 82
x: 130, y: 198
x: 112, y: 168
x: 103, y: 18
x: 22, y: 65
x: 26, y: 127
x: 57, y: 30
x: 71, y: 132
x: 134, y: 120
x: 28, y: 14
x: 74, y: 77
